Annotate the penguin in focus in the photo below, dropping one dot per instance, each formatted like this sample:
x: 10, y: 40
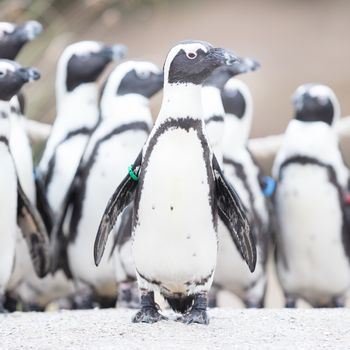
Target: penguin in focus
x: 78, y: 68
x: 178, y: 190
x: 16, y: 208
x: 242, y: 171
x: 313, y: 242
x: 116, y: 142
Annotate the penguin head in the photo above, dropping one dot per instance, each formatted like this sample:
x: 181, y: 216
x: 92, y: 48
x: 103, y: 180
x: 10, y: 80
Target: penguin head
x: 238, y: 105
x: 316, y: 103
x: 138, y: 78
x: 13, y: 37
x: 13, y: 77
x: 191, y: 62
x: 83, y: 62
x: 222, y: 74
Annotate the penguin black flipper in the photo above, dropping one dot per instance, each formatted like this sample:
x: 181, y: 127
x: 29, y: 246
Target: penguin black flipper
x: 120, y: 199
x: 43, y: 204
x: 34, y: 232
x: 59, y: 241
x: 234, y: 217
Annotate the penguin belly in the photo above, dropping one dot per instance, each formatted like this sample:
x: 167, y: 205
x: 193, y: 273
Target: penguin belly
x: 8, y: 216
x: 67, y: 159
x: 108, y: 170
x: 175, y: 242
x: 311, y: 259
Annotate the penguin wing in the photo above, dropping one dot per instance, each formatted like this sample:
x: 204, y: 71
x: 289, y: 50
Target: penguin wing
x: 234, y: 217
x: 34, y: 232
x: 59, y: 241
x: 42, y: 202
x: 120, y: 199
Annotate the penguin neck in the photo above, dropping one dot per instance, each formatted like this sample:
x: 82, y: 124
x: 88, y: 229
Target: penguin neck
x: 181, y: 101
x: 126, y: 109
x: 78, y: 107
x: 212, y: 103
x: 236, y: 133
x: 5, y: 111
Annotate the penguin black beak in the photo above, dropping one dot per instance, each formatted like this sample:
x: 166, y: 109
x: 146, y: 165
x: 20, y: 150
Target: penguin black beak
x: 28, y: 31
x: 29, y: 74
x: 115, y: 52
x: 245, y: 65
x: 222, y: 57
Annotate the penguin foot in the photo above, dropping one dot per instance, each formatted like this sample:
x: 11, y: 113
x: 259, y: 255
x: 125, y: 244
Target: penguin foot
x: 290, y: 302
x: 149, y: 310
x: 254, y: 304
x: 128, y: 297
x: 198, y: 313
x: 148, y: 315
x: 196, y: 316
x: 3, y: 310
x: 84, y: 301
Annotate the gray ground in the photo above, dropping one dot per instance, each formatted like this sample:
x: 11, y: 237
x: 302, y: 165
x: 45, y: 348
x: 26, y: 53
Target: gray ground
x: 228, y: 329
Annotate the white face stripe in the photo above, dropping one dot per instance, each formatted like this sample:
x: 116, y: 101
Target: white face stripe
x: 6, y: 65
x: 6, y: 27
x: 187, y: 47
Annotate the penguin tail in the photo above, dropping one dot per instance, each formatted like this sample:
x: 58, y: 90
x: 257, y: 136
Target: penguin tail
x: 180, y: 304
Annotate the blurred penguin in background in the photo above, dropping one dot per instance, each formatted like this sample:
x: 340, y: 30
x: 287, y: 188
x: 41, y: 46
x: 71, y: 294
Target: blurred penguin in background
x: 228, y: 107
x: 116, y: 142
x: 17, y: 212
x: 313, y: 241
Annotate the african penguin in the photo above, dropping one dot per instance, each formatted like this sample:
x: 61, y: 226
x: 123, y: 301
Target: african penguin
x: 178, y: 190
x: 242, y: 171
x: 126, y: 123
x: 313, y: 242
x: 212, y: 105
x: 16, y: 209
x: 77, y: 115
x: 12, y: 38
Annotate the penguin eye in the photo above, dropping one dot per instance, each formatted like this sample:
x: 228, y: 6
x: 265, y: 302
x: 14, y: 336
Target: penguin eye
x: 191, y: 55
x: 2, y: 73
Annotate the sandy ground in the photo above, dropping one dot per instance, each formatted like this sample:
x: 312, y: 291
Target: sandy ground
x: 228, y: 329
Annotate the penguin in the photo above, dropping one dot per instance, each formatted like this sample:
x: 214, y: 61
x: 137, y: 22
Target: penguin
x: 178, y: 188
x: 16, y: 208
x: 12, y: 39
x: 312, y: 238
x: 242, y: 171
x: 78, y: 68
x: 116, y: 142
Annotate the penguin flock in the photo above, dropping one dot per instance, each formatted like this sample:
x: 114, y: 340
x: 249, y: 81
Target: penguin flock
x: 123, y: 211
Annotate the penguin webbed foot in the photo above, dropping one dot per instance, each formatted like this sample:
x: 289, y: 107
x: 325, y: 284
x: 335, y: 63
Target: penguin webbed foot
x: 149, y: 310
x: 3, y: 310
x: 290, y: 303
x: 198, y: 313
x: 128, y: 297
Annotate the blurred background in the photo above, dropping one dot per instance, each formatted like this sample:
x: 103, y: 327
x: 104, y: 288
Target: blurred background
x: 296, y: 41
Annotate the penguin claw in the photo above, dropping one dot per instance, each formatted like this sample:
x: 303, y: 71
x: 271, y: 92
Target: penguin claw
x: 148, y: 315
x: 196, y: 316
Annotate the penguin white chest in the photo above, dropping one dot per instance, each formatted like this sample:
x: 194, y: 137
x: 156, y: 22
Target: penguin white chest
x: 311, y: 260
x: 8, y: 212
x: 174, y: 238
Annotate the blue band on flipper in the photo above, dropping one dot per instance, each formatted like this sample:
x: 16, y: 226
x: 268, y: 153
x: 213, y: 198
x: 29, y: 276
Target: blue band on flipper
x: 270, y: 186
